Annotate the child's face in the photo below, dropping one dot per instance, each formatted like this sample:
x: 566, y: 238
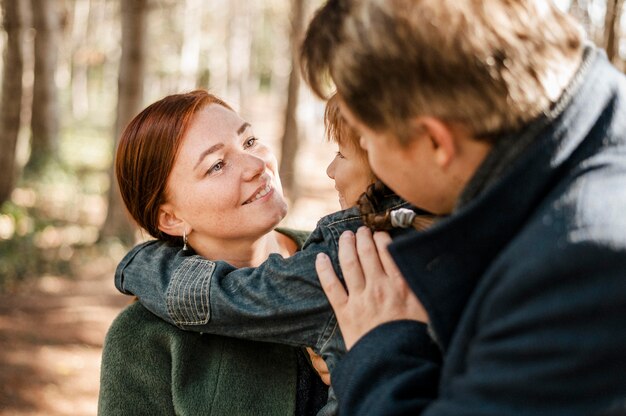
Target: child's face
x: 351, y: 174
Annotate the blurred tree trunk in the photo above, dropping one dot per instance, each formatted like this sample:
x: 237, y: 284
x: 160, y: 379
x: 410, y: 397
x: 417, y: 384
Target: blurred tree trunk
x: 130, y: 96
x: 239, y: 37
x: 190, y: 48
x: 215, y: 74
x: 45, y: 109
x: 580, y: 10
x: 10, y: 107
x: 80, y: 58
x: 612, y: 28
x: 289, y: 142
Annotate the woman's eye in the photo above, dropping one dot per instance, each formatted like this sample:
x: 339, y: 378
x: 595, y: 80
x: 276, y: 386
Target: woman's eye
x: 340, y: 156
x: 216, y: 167
x: 250, y: 142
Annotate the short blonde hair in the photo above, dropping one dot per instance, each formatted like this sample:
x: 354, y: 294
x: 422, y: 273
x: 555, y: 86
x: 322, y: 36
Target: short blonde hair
x: 491, y: 65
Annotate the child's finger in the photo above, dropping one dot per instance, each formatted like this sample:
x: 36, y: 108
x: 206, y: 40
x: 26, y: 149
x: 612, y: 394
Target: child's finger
x: 319, y: 365
x: 350, y: 263
x: 331, y: 285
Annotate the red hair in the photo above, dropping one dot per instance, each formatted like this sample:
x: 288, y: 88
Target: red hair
x: 147, y: 151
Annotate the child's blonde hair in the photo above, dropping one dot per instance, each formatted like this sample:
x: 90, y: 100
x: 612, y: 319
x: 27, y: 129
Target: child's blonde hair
x: 339, y: 131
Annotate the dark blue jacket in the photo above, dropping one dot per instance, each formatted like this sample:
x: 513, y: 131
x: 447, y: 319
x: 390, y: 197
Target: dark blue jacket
x: 525, y: 285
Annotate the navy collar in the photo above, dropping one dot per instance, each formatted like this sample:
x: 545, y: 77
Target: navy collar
x: 509, y: 147
x: 443, y: 264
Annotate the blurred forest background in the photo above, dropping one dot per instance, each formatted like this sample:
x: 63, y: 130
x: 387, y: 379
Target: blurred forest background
x: 74, y: 72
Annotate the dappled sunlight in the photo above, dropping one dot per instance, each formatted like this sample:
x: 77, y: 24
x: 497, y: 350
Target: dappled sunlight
x: 51, y: 335
x: 53, y: 237
x: 7, y: 227
x: 24, y: 197
x: 62, y: 380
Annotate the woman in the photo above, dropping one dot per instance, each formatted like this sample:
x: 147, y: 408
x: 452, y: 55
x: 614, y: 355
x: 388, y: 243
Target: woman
x: 192, y: 173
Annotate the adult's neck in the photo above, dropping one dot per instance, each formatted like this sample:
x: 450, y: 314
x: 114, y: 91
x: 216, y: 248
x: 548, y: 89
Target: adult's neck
x: 248, y: 251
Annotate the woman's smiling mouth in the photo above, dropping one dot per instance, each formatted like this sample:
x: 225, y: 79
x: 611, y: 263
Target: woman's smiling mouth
x: 259, y: 194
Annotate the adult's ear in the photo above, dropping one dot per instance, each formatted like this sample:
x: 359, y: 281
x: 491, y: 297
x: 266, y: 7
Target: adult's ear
x: 169, y: 223
x: 441, y: 137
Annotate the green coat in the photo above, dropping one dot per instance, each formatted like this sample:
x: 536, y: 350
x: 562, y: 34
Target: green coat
x: 151, y: 368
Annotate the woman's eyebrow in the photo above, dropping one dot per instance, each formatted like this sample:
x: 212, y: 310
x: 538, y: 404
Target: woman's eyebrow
x: 207, y: 152
x: 218, y: 146
x: 243, y: 128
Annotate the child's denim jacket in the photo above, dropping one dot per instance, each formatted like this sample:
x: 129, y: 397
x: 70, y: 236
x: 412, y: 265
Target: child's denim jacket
x: 280, y: 301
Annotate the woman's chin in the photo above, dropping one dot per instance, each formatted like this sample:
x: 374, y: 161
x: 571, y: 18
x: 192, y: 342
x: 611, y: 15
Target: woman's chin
x: 280, y: 214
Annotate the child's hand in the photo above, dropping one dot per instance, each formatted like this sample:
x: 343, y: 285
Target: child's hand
x: 319, y: 365
x: 377, y: 290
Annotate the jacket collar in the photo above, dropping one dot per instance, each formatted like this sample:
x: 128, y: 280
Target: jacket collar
x: 443, y: 264
x: 511, y: 146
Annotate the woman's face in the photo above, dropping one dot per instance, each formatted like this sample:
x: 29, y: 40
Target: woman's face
x: 224, y: 183
x: 351, y: 174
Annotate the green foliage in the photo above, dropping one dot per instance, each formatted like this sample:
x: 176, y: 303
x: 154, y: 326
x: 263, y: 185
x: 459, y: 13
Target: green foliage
x: 24, y: 255
x: 51, y: 224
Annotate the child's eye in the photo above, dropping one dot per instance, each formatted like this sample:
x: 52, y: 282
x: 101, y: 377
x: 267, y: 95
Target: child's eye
x: 340, y: 156
x: 250, y: 142
x: 218, y: 166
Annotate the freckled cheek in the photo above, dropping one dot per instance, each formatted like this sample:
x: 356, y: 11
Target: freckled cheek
x: 217, y: 199
x: 231, y: 197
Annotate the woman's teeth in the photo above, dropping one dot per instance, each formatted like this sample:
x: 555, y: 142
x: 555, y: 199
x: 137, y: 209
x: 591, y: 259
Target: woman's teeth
x: 259, y: 194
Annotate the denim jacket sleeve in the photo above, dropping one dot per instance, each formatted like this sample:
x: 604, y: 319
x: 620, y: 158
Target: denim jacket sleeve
x: 279, y: 301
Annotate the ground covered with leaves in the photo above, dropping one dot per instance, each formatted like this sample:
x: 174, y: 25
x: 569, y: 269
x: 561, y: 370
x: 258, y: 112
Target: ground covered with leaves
x: 51, y: 334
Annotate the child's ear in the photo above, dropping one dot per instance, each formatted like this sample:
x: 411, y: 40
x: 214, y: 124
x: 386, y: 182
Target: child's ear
x: 441, y: 137
x: 169, y: 223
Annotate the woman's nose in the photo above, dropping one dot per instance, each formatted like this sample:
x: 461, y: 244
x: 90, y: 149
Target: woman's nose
x: 253, y: 166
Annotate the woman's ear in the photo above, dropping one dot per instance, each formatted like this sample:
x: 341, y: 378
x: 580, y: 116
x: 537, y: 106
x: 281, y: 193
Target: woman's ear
x: 169, y: 223
x: 441, y: 137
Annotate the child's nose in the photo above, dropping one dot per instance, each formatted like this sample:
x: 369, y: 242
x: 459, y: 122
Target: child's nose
x: 330, y: 170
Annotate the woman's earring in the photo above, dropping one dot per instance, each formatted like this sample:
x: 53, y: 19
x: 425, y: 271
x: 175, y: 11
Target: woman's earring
x: 184, y: 238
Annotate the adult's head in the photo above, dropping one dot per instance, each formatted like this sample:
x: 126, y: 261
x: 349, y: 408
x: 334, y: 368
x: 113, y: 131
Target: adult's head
x: 189, y: 164
x: 349, y: 169
x: 406, y: 69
